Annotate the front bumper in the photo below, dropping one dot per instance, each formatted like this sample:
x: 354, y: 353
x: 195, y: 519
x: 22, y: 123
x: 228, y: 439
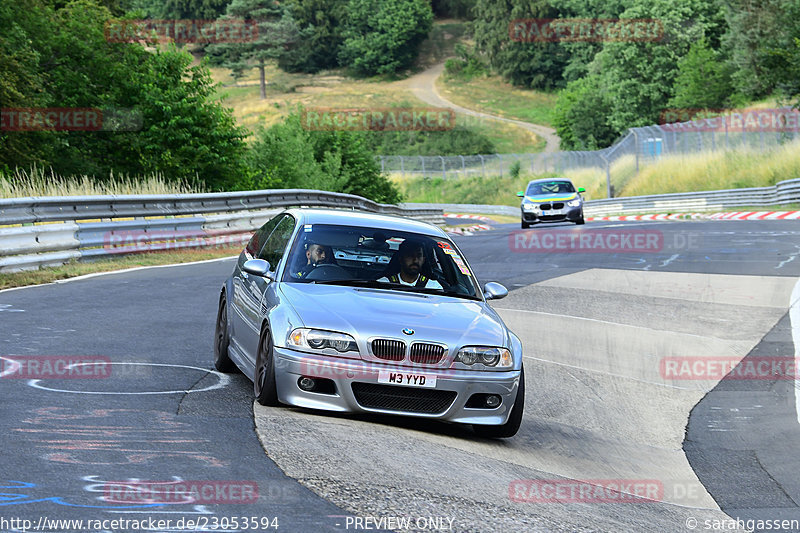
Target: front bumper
x: 570, y: 214
x: 291, y: 365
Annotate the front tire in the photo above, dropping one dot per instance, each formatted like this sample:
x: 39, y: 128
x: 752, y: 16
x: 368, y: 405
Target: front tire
x: 222, y: 361
x: 510, y: 428
x: 525, y: 225
x: 264, y: 387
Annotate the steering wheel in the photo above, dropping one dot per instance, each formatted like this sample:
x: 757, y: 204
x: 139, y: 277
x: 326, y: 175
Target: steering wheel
x: 328, y: 272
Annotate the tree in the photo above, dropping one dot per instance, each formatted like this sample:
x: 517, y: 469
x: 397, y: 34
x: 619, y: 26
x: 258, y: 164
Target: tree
x: 383, y: 36
x: 704, y: 79
x: 581, y: 116
x: 68, y: 63
x: 22, y: 83
x: 277, y: 31
x: 193, y: 9
x: 535, y: 65
x: 755, y: 28
x: 458, y: 9
x: 322, y: 22
x: 639, y: 76
x: 288, y: 156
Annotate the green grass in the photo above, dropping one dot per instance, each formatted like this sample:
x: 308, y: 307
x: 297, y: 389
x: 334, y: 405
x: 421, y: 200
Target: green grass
x: 493, y: 95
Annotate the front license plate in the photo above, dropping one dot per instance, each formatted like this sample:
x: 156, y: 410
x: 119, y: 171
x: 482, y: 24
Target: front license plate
x: 407, y: 379
x: 557, y: 212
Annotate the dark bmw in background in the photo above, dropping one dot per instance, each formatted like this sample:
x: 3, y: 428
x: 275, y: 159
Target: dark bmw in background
x: 551, y: 200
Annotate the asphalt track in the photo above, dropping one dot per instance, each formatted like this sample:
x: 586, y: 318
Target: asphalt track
x: 594, y: 326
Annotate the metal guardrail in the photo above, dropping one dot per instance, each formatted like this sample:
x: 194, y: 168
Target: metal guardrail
x: 66, y: 208
x: 784, y: 192
x: 88, y: 227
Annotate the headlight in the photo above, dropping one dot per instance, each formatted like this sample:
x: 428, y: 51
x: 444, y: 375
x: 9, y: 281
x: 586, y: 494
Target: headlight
x: 317, y: 339
x: 485, y: 355
x: 529, y: 207
x: 574, y: 203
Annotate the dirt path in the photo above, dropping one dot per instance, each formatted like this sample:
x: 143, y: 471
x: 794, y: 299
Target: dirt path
x: 424, y: 87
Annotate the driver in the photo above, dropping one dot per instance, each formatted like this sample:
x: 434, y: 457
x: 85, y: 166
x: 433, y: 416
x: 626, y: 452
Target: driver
x: 315, y: 254
x: 411, y: 260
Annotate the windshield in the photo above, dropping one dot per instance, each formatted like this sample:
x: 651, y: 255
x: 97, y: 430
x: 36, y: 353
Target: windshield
x: 550, y: 187
x: 350, y: 255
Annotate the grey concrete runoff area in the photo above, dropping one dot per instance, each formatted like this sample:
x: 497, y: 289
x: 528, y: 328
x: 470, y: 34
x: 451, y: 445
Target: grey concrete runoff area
x: 603, y: 418
x: 597, y: 408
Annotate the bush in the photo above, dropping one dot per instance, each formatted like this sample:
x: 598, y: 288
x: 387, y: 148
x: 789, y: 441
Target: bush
x: 288, y: 156
x: 383, y: 36
x: 467, y: 64
x: 581, y: 116
x: 458, y: 141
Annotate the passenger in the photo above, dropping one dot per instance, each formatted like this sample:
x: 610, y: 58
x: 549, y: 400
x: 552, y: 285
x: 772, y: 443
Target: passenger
x: 411, y: 260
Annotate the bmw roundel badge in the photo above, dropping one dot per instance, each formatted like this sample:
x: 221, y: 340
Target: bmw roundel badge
x: 408, y: 331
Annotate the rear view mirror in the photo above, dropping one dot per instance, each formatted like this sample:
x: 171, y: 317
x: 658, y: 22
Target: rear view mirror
x: 581, y: 189
x: 521, y: 194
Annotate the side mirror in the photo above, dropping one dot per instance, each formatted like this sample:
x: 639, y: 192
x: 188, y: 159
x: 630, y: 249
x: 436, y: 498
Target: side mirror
x: 581, y: 189
x: 257, y: 267
x: 521, y: 194
x: 494, y: 291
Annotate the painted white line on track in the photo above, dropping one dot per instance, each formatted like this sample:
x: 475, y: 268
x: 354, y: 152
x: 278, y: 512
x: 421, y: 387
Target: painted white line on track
x: 224, y: 380
x: 794, y: 319
x: 132, y: 269
x: 790, y: 258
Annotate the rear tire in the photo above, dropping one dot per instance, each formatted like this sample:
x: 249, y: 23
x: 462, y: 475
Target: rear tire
x: 222, y: 361
x: 264, y: 387
x: 510, y: 428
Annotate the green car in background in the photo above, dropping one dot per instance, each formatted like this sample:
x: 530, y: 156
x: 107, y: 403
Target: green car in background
x: 551, y: 200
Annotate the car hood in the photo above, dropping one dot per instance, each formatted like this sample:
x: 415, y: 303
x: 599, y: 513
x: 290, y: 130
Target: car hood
x: 366, y: 313
x: 560, y: 197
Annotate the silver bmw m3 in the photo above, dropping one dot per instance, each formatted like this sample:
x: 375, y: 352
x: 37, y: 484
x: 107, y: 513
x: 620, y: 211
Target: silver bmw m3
x: 358, y: 312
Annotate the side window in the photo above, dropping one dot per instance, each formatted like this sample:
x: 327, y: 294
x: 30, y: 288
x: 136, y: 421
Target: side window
x: 260, y: 237
x: 277, y: 241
